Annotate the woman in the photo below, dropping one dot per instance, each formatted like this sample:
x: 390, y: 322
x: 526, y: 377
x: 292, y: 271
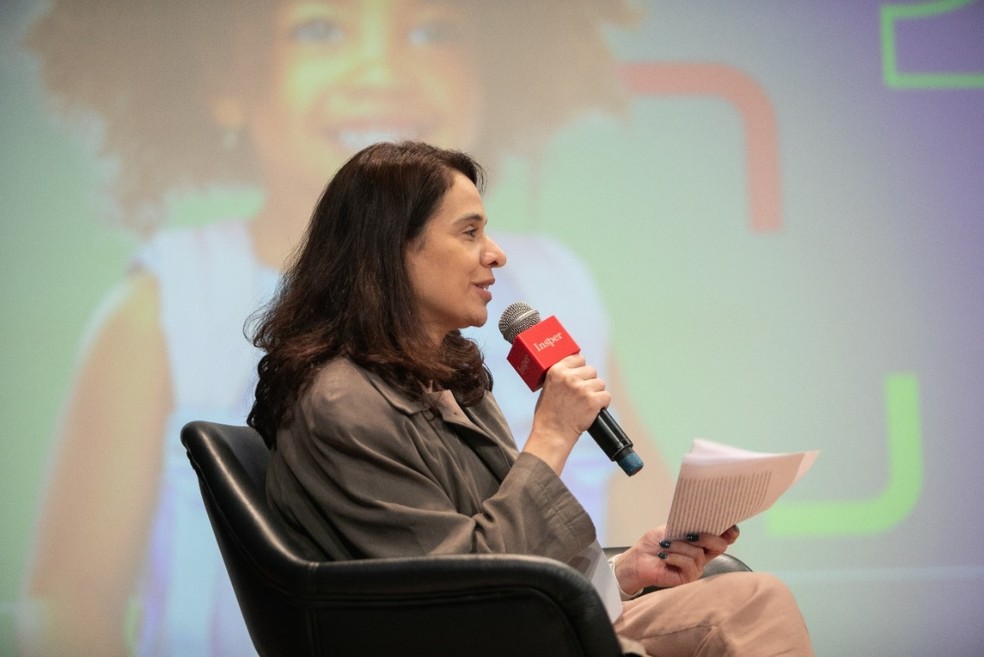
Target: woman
x: 386, y: 438
x: 276, y: 95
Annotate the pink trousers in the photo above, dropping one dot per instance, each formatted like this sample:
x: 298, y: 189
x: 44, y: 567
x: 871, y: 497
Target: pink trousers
x: 724, y: 615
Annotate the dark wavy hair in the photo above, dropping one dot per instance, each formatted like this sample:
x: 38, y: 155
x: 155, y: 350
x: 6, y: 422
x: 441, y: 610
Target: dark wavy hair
x: 146, y: 67
x: 347, y: 292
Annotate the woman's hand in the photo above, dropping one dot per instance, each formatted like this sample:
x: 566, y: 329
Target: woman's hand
x: 655, y: 561
x: 571, y: 399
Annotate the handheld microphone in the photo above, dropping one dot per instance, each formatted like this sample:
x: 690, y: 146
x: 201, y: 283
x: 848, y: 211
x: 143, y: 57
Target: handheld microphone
x: 538, y: 345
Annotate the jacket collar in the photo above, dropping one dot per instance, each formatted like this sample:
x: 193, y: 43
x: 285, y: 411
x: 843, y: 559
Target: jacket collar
x: 490, y: 448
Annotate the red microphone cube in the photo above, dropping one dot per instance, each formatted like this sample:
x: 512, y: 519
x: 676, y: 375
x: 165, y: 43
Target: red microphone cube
x: 538, y: 348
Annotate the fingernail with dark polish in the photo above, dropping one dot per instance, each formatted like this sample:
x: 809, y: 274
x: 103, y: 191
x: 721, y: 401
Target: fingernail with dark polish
x: 664, y: 543
x: 662, y: 555
x: 693, y: 537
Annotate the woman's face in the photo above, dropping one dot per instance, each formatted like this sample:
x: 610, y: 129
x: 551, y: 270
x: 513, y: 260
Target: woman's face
x: 348, y: 73
x: 451, y: 264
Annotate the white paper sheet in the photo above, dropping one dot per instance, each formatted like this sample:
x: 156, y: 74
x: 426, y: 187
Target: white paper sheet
x: 720, y: 486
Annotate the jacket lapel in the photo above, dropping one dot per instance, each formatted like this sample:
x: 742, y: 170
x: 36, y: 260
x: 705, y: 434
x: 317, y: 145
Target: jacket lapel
x: 480, y: 433
x: 467, y: 424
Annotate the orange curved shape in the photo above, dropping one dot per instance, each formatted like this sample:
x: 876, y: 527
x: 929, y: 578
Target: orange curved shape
x: 754, y: 107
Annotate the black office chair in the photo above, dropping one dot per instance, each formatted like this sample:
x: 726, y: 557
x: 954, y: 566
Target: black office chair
x: 474, y: 605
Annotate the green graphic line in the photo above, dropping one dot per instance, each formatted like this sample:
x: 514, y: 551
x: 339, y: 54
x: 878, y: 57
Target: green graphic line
x: 901, y: 492
x: 899, y: 80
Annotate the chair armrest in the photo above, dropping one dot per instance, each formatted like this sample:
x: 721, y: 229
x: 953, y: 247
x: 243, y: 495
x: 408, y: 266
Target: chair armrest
x: 479, y: 605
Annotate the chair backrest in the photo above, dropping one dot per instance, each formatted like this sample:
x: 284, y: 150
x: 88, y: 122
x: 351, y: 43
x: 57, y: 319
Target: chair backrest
x: 475, y: 605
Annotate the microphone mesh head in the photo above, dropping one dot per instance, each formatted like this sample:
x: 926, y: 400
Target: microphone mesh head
x: 517, y: 318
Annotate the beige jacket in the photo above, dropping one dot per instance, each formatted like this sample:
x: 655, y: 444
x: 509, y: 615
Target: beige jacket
x: 364, y: 472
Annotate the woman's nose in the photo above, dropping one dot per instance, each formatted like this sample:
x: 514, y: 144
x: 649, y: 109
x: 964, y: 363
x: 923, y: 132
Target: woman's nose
x: 495, y: 256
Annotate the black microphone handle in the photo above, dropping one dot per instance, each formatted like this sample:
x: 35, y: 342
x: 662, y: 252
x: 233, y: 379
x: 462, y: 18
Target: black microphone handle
x: 614, y: 443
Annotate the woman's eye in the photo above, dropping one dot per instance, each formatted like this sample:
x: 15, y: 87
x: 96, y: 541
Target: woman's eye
x: 317, y: 30
x: 433, y: 33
